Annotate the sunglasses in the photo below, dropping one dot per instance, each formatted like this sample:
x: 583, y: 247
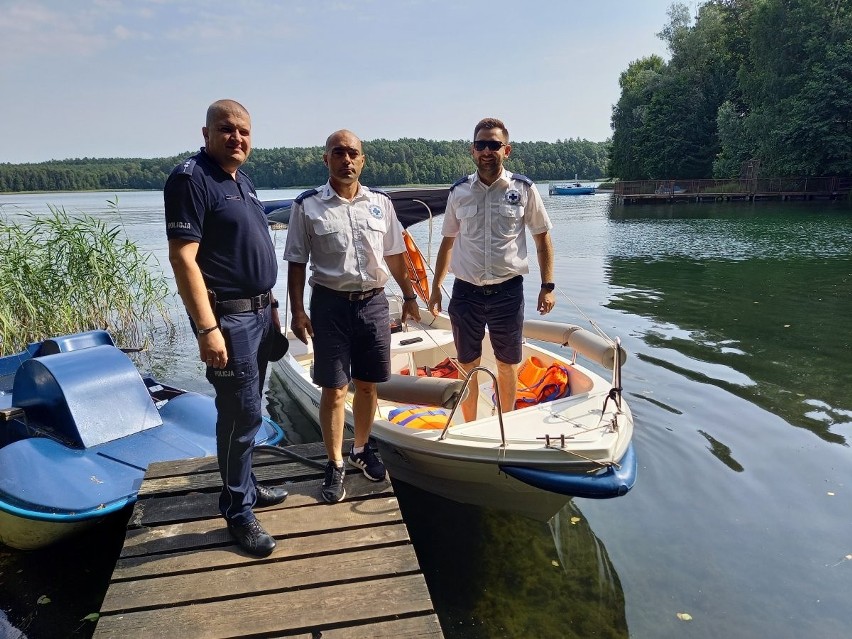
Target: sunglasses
x: 491, y: 145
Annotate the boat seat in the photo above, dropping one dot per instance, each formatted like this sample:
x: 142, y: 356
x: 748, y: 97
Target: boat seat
x: 84, y: 397
x: 68, y: 343
x: 429, y: 391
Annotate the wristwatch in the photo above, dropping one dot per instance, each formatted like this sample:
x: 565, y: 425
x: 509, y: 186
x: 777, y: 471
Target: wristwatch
x: 548, y: 286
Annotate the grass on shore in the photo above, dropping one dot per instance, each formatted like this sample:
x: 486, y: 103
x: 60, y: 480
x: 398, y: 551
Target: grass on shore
x: 61, y: 274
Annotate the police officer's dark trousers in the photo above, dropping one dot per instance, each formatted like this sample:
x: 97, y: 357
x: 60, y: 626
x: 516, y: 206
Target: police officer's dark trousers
x: 239, y: 392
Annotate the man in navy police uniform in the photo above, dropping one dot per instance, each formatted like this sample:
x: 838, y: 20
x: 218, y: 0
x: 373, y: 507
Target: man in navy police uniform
x: 224, y: 264
x: 484, y: 229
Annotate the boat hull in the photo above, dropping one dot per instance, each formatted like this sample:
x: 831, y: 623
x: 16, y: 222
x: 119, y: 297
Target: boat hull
x: 572, y: 190
x: 614, y: 481
x: 24, y: 533
x: 479, y: 484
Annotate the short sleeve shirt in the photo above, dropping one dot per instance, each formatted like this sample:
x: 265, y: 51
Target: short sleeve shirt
x: 344, y: 241
x: 205, y: 204
x: 489, y: 223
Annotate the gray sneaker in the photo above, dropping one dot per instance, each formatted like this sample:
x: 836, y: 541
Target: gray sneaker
x: 332, y: 486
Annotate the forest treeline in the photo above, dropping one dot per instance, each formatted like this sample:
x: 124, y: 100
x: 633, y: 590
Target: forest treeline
x: 752, y: 86
x: 389, y: 163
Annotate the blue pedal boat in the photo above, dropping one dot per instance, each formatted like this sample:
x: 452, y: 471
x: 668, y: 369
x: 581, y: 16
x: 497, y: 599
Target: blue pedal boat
x: 79, y: 426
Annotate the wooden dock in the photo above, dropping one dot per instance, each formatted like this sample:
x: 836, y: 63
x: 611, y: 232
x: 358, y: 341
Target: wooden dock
x: 734, y: 190
x: 339, y: 571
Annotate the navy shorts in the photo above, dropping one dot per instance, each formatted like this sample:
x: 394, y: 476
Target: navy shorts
x: 500, y: 307
x: 351, y: 339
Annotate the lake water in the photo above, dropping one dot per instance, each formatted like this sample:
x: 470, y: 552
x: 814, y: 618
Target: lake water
x: 736, y: 318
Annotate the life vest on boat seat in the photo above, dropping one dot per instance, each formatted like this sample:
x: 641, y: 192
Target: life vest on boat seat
x: 448, y: 368
x: 538, y: 383
x: 419, y: 416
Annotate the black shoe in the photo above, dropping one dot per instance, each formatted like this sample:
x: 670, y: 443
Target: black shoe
x: 370, y: 465
x: 253, y: 538
x: 332, y: 487
x: 269, y: 496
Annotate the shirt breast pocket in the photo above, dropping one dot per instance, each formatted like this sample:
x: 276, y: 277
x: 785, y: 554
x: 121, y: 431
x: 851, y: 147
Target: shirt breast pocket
x: 374, y: 231
x: 469, y: 221
x: 511, y: 219
x: 331, y: 236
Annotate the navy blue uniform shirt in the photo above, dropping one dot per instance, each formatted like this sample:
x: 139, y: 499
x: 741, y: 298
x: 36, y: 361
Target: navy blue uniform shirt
x: 205, y: 204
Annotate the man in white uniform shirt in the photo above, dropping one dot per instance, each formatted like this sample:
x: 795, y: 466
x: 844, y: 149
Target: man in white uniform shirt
x: 485, y: 224
x: 352, y: 238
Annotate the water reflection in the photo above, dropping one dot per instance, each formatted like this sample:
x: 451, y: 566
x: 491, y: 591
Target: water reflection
x: 754, y: 303
x: 495, y: 574
x: 285, y: 411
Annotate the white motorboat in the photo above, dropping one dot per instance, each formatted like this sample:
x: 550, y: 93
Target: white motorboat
x: 529, y: 460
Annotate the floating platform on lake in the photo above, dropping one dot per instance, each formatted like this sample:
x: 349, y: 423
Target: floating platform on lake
x: 339, y: 571
x: 751, y: 190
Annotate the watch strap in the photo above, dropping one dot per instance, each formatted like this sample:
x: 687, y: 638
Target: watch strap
x: 204, y: 331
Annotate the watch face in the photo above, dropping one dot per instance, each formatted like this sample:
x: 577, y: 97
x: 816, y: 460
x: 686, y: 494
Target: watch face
x: 548, y: 286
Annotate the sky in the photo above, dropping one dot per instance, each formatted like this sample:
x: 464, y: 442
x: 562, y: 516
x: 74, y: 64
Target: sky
x: 133, y: 78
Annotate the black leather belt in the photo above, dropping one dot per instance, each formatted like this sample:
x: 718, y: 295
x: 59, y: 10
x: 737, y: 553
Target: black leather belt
x: 352, y: 296
x: 490, y: 289
x: 229, y: 307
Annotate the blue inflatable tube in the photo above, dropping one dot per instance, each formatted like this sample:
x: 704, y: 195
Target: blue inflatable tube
x: 613, y: 482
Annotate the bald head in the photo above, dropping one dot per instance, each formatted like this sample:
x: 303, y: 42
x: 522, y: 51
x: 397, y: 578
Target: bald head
x: 344, y: 158
x: 343, y: 137
x: 227, y: 134
x: 222, y: 108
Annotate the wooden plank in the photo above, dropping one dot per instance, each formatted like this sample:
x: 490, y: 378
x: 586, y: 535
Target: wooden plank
x: 165, y: 509
x: 421, y: 627
x: 279, y: 575
x: 212, y: 558
x: 212, y: 480
x: 314, y: 451
x: 305, y: 611
x: 279, y: 523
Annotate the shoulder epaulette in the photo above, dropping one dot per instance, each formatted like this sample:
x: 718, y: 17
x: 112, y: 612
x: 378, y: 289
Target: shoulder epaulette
x: 305, y: 195
x: 379, y: 191
x: 461, y: 180
x: 522, y: 178
x: 187, y: 167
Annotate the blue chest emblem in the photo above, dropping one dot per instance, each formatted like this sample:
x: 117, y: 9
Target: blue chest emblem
x: 376, y: 212
x: 512, y: 196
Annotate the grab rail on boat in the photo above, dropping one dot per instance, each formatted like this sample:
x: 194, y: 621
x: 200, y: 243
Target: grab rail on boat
x: 496, y: 399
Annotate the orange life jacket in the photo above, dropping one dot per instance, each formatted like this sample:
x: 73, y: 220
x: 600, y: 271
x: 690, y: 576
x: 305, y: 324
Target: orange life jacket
x: 538, y: 383
x: 444, y: 369
x: 419, y: 417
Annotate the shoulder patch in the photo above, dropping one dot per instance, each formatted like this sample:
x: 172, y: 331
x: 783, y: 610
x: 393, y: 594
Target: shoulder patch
x: 522, y: 178
x: 187, y: 167
x: 461, y: 180
x: 379, y: 191
x: 303, y: 196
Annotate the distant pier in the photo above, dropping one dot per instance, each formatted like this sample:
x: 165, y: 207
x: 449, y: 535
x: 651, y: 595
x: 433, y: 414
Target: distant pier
x: 751, y: 190
x: 340, y: 571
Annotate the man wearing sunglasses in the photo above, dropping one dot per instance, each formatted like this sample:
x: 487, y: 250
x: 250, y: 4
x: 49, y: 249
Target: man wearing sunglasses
x: 484, y: 229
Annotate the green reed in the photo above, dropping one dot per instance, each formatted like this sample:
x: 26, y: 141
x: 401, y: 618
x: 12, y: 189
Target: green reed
x: 61, y: 274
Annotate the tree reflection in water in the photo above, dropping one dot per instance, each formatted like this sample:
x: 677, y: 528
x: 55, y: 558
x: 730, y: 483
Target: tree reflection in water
x: 494, y: 574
